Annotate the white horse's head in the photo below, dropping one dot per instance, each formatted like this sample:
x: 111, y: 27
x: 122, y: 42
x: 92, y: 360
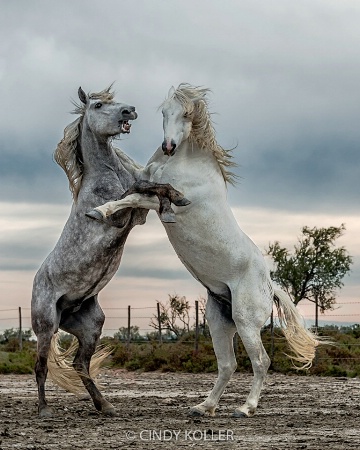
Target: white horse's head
x: 186, y: 116
x: 104, y: 116
x: 178, y: 111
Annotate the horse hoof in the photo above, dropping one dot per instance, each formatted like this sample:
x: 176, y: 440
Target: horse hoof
x: 96, y: 215
x: 240, y: 415
x: 196, y: 413
x: 111, y: 412
x: 46, y: 412
x: 182, y: 202
x: 167, y: 217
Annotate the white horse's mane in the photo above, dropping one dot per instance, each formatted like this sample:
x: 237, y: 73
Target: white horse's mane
x: 68, y: 152
x: 194, y: 101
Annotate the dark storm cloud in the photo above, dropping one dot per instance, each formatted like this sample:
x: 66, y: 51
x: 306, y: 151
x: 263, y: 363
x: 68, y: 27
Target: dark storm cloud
x: 32, y: 177
x: 284, y: 80
x: 314, y: 174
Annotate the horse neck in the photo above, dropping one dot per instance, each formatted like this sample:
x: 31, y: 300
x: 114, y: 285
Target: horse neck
x: 96, y: 151
x: 193, y: 155
x: 191, y: 150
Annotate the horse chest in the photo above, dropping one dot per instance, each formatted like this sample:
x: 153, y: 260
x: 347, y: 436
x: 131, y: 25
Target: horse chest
x: 182, y: 173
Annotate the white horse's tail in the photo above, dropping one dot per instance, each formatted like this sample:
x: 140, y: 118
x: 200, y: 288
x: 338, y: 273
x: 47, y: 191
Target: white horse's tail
x: 60, y: 366
x: 301, y: 341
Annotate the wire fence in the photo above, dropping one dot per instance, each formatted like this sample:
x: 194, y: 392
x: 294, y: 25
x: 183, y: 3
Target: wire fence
x: 146, y: 322
x: 343, y: 314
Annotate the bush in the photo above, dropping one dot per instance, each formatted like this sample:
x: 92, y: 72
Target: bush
x: 343, y: 359
x: 167, y: 357
x: 18, y: 362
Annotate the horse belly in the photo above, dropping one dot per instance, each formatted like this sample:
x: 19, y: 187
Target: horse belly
x: 90, y: 263
x: 210, y: 255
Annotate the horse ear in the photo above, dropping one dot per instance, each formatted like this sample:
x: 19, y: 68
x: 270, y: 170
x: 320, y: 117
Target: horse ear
x: 171, y: 92
x: 82, y: 96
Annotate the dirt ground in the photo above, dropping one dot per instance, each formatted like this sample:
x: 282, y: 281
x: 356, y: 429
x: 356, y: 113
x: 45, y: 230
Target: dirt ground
x: 294, y: 413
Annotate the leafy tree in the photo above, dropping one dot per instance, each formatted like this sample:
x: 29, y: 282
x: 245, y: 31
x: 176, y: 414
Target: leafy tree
x: 122, y: 334
x: 202, y: 309
x: 13, y: 333
x: 316, y: 267
x: 174, y: 316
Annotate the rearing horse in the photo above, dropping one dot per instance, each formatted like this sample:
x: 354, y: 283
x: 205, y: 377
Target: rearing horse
x: 88, y: 253
x: 209, y: 242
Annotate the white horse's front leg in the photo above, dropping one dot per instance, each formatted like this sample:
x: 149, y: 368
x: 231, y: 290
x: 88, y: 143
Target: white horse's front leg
x: 131, y: 201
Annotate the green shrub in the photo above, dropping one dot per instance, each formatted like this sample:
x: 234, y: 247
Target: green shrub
x: 341, y: 359
x: 17, y: 362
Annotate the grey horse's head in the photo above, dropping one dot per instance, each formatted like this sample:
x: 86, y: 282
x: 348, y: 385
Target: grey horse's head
x: 103, y: 115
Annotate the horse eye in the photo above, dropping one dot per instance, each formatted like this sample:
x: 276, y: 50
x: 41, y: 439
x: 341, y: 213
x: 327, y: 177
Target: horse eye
x: 98, y: 105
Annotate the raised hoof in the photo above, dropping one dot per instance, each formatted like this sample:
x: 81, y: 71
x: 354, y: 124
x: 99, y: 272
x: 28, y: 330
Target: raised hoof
x: 46, y: 412
x: 181, y: 202
x: 240, y: 415
x: 96, y: 215
x: 167, y: 217
x: 196, y: 413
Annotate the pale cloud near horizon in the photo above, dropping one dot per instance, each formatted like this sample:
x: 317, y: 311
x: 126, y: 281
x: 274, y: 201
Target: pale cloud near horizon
x: 150, y: 269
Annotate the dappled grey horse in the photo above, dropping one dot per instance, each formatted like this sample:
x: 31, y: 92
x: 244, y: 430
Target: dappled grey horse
x: 88, y: 253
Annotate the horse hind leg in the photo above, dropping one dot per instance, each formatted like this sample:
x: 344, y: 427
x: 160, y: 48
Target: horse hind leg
x: 41, y: 371
x: 44, y: 324
x: 249, y: 329
x: 222, y: 329
x: 86, y: 324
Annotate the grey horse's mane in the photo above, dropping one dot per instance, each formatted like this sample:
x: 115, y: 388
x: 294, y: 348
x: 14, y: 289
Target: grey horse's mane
x: 68, y: 153
x: 203, y: 132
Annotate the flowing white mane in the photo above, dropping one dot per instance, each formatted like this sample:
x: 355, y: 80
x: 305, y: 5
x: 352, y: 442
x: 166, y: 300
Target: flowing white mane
x: 194, y: 101
x: 68, y: 153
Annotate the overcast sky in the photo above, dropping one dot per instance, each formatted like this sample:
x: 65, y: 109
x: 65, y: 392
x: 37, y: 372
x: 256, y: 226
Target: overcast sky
x: 285, y: 89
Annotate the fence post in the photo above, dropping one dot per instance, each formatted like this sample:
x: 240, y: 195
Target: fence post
x: 272, y: 338
x: 196, y: 326
x: 159, y: 321
x: 316, y: 326
x: 316, y: 314
x: 20, y: 330
x: 129, y: 325
x: 236, y: 344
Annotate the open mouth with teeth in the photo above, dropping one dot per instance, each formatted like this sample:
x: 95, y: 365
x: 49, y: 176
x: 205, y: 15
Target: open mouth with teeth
x: 125, y: 126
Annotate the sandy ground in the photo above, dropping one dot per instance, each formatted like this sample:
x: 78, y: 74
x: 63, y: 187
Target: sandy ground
x: 294, y: 413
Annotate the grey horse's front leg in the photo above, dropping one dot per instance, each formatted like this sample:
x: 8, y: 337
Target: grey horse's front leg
x: 147, y: 195
x: 160, y: 190
x: 166, y: 195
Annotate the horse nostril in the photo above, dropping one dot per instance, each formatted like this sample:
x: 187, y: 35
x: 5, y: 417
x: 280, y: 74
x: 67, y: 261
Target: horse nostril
x: 173, y: 145
x: 126, y: 111
x: 163, y: 146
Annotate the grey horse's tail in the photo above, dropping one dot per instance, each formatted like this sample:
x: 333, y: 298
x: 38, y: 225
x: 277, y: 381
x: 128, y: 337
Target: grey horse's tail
x: 302, y: 342
x: 60, y: 366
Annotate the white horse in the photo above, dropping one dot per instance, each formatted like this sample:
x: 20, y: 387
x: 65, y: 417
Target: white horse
x: 209, y: 242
